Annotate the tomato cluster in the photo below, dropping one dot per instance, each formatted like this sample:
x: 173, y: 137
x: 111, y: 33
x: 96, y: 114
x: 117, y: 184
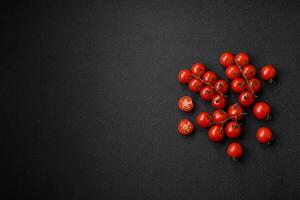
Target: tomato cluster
x: 206, y: 82
x: 242, y: 80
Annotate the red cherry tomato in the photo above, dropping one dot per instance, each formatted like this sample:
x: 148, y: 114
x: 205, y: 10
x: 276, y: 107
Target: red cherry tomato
x: 185, y: 127
x: 204, y: 119
x: 233, y: 129
x: 233, y: 72
x: 268, y: 72
x: 254, y: 84
x: 264, y: 135
x: 216, y: 133
x: 218, y: 101
x: 210, y: 77
x: 221, y: 86
x: 249, y: 71
x: 219, y: 116
x: 195, y: 85
x: 198, y: 69
x: 262, y: 110
x: 235, y: 111
x: 184, y: 76
x: 238, y: 85
x: 234, y: 150
x: 226, y: 59
x: 185, y: 103
x: 207, y: 93
x: 246, y: 98
x: 242, y: 59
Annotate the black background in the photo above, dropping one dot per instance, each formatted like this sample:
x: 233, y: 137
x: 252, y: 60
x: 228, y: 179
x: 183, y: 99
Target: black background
x: 89, y: 99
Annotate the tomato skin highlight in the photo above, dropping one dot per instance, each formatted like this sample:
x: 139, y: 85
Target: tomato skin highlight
x: 218, y: 101
x: 204, y: 119
x: 262, y: 110
x: 233, y: 72
x: 195, y: 85
x: 219, y: 116
x: 254, y: 84
x: 264, y: 135
x: 226, y: 59
x: 185, y: 127
x: 184, y: 76
x: 268, y: 72
x: 185, y: 103
x: 216, y: 133
x: 246, y: 98
x: 235, y: 111
x: 249, y: 71
x: 235, y: 150
x: 207, y: 93
x: 233, y: 129
x: 242, y: 59
x: 198, y: 69
x: 210, y: 77
x: 221, y: 86
x: 238, y: 85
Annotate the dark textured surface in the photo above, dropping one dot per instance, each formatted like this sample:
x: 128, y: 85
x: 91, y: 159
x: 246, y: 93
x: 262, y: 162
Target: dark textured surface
x: 95, y: 111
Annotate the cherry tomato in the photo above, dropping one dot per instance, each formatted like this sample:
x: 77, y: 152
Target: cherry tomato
x: 184, y: 76
x: 249, y: 71
x: 218, y: 101
x: 242, y: 59
x: 204, y: 119
x: 238, y: 85
x: 216, y: 133
x: 234, y: 150
x: 226, y: 59
x: 185, y: 127
x: 198, y: 69
x: 210, y: 77
x: 219, y: 116
x: 221, y: 86
x: 207, y: 93
x: 233, y: 72
x: 262, y: 110
x: 246, y: 98
x: 235, y: 111
x: 195, y: 85
x: 264, y: 135
x: 268, y: 72
x: 185, y: 103
x: 254, y: 84
x: 233, y: 129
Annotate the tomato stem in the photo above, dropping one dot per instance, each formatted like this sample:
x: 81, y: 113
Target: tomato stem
x: 247, y: 81
x: 217, y: 91
x: 229, y: 118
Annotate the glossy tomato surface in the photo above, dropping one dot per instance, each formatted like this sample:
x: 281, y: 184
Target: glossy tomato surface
x: 242, y: 59
x: 198, y: 69
x: 226, y: 59
x: 195, y: 85
x: 235, y: 111
x: 262, y: 110
x: 233, y: 129
x: 216, y: 133
x: 264, y: 135
x: 204, y: 119
x: 184, y: 76
x: 207, y: 93
x: 235, y: 150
